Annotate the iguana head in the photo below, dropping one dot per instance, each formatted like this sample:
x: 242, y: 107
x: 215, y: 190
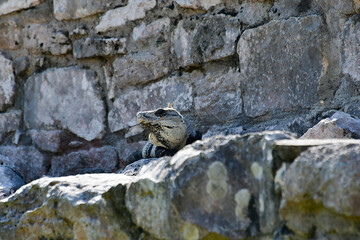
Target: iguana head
x: 166, y: 125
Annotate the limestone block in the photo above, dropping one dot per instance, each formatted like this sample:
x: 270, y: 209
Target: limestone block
x: 49, y: 141
x: 10, y: 181
x: 26, y: 160
x: 41, y: 38
x: 142, y: 33
x: 254, y: 13
x: 134, y: 10
x: 9, y: 122
x: 74, y: 207
x: 96, y: 47
x: 339, y: 125
x: 281, y: 63
x: 10, y: 35
x: 321, y: 192
x: 211, y: 38
x: 218, y: 95
x: 7, y: 82
x: 139, y: 68
x: 65, y: 98
x: 9, y: 6
x: 75, y: 9
x: 103, y: 159
x: 351, y: 54
x: 175, y: 90
x: 198, y: 4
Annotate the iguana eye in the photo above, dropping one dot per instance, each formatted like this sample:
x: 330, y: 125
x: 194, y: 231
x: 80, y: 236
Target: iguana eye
x: 160, y: 112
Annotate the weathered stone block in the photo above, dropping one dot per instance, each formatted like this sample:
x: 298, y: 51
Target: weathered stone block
x: 75, y: 9
x: 339, y: 125
x: 65, y: 98
x: 10, y: 35
x: 49, y: 141
x: 9, y: 122
x: 321, y: 192
x: 351, y: 54
x: 74, y: 207
x: 42, y: 38
x: 10, y: 181
x: 281, y: 63
x: 102, y: 159
x: 96, y: 47
x: 134, y: 10
x: 218, y: 95
x: 175, y: 90
x: 198, y: 4
x: 27, y: 161
x: 7, y: 82
x: 144, y: 32
x: 9, y: 6
x: 211, y: 38
x: 139, y: 68
x: 254, y: 13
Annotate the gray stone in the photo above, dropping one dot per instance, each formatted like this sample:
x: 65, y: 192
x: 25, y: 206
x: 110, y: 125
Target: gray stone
x: 104, y: 159
x: 75, y: 9
x: 214, y: 185
x: 9, y: 122
x: 351, y: 54
x: 139, y: 68
x: 9, y: 6
x: 134, y: 168
x: 254, y: 13
x: 10, y: 181
x: 10, y: 35
x: 321, y: 192
x: 175, y: 90
x: 225, y: 102
x: 21, y: 64
x: 211, y: 38
x: 96, y: 47
x: 144, y: 32
x: 65, y: 98
x: 198, y: 4
x: 87, y: 206
x: 134, y: 10
x: 48, y: 141
x: 26, y: 160
x: 342, y: 7
x: 283, y: 9
x: 41, y: 38
x: 125, y: 148
x: 7, y: 82
x: 339, y: 125
x: 284, y: 77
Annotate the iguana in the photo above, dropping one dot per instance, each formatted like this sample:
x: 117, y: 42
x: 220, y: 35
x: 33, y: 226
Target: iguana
x: 168, y: 133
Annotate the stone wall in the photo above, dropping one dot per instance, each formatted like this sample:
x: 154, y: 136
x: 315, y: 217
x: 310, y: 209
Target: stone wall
x: 74, y: 73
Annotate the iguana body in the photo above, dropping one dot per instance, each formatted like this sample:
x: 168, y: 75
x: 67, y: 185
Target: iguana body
x: 168, y: 133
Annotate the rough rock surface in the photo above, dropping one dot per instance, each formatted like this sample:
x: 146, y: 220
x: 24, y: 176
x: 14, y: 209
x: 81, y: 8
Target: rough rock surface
x: 25, y: 160
x: 102, y: 159
x: 321, y: 193
x: 49, y: 141
x: 225, y: 102
x: 134, y: 10
x: 39, y: 37
x: 198, y: 4
x: 7, y: 82
x: 210, y: 39
x: 10, y: 181
x: 10, y: 35
x: 96, y: 47
x: 175, y: 90
x: 339, y: 125
x: 9, y: 6
x: 74, y: 9
x: 293, y: 77
x: 9, y: 122
x: 65, y: 97
x: 352, y: 49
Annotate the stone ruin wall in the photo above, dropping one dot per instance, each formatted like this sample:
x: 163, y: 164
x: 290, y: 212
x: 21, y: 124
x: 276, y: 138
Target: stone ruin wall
x: 73, y: 73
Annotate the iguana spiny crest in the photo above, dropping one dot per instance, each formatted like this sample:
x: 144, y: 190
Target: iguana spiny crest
x: 166, y: 125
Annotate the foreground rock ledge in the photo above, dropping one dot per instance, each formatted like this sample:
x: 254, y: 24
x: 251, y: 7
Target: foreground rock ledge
x: 218, y: 188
